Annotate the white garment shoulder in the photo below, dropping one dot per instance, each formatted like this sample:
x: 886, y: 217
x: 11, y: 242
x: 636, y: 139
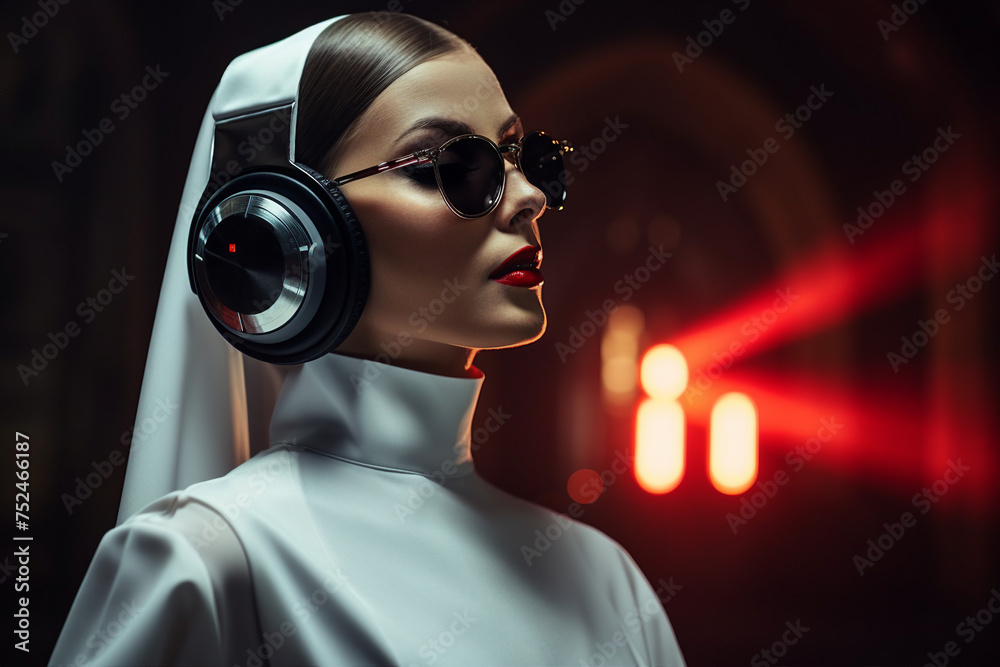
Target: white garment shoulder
x: 307, y: 550
x: 167, y: 587
x: 611, y: 568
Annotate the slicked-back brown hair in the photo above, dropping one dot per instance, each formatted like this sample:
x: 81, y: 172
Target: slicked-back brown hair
x: 351, y: 62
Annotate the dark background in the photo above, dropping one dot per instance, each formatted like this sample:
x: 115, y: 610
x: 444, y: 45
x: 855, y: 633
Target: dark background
x: 655, y: 183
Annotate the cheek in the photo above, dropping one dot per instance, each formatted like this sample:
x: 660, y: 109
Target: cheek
x: 416, y: 244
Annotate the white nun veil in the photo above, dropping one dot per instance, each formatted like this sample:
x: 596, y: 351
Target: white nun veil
x: 204, y: 407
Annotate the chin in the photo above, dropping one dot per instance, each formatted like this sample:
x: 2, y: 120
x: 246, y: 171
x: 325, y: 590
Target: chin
x: 501, y: 335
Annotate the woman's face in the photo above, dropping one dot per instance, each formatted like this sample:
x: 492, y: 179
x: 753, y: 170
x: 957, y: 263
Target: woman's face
x: 432, y: 304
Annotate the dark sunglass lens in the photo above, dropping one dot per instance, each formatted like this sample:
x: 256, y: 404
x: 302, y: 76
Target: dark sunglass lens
x: 543, y: 166
x: 471, y: 175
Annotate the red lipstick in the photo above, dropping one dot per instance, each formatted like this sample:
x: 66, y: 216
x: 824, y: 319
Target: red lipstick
x: 520, y: 269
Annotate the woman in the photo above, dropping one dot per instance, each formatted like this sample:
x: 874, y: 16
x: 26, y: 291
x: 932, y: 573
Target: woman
x: 358, y: 532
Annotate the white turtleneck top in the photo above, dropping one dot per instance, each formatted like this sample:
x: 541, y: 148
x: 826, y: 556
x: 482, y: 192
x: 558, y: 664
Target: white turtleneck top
x: 362, y: 536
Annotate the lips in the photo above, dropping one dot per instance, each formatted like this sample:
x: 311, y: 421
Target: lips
x: 523, y: 264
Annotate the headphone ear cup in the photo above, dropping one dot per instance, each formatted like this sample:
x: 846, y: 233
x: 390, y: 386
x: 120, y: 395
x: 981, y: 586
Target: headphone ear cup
x: 358, y: 244
x: 280, y: 264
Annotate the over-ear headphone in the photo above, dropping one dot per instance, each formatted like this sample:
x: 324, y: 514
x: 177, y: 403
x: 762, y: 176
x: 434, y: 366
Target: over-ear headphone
x: 275, y: 254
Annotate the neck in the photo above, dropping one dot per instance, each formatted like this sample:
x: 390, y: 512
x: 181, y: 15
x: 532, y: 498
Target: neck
x: 380, y: 415
x: 426, y: 356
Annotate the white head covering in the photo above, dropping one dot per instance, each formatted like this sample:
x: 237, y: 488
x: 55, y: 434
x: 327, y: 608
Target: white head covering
x: 204, y: 407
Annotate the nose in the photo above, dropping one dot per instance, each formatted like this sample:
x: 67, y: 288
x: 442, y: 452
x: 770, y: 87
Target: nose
x: 522, y: 202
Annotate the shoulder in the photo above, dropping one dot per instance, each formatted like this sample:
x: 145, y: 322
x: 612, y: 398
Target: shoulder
x: 211, y: 520
x: 545, y: 528
x: 180, y: 544
x: 146, y: 574
x: 272, y: 472
x: 161, y: 589
x: 165, y: 529
x: 596, y: 562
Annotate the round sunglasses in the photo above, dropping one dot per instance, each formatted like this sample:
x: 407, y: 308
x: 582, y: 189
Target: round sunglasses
x: 469, y: 170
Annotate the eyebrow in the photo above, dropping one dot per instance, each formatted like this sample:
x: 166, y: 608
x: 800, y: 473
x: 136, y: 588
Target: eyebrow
x: 454, y: 128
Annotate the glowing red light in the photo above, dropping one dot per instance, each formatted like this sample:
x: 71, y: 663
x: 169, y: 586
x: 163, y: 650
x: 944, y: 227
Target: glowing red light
x: 232, y: 247
x: 659, y: 445
x: 660, y: 430
x: 663, y: 372
x: 732, y: 457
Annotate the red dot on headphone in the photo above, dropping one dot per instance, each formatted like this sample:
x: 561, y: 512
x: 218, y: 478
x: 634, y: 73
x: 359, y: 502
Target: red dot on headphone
x: 232, y: 247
